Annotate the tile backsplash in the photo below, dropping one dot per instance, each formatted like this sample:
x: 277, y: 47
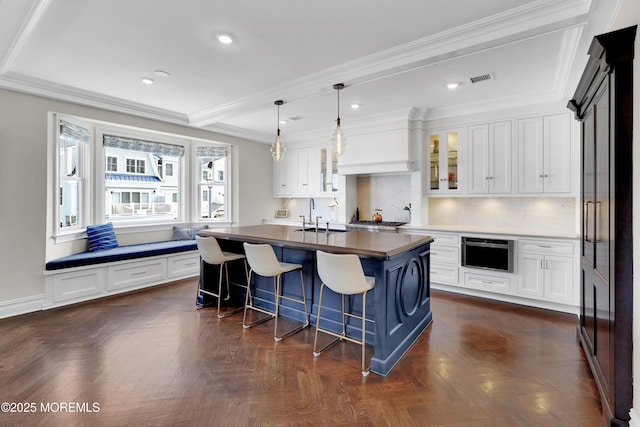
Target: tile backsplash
x: 532, y: 214
x: 390, y: 193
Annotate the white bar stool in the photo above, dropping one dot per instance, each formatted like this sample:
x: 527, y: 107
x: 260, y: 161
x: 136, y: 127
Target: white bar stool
x: 211, y: 253
x: 343, y: 274
x: 263, y: 262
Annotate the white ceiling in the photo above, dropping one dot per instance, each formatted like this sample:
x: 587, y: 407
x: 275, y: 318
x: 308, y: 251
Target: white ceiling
x: 394, y: 57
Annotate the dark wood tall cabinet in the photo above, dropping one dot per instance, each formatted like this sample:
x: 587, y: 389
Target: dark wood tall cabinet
x: 603, y: 103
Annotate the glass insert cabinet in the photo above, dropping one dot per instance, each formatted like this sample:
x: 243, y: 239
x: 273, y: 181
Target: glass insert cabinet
x: 444, y: 165
x: 328, y: 171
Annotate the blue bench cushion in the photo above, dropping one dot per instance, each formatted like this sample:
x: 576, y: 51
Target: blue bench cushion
x: 121, y: 253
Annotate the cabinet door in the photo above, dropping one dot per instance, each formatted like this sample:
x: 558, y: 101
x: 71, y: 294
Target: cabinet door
x: 443, y: 158
x: 500, y: 160
x: 557, y: 154
x: 302, y: 171
x: 283, y: 175
x: 478, y: 159
x: 530, y: 155
x: 558, y: 278
x: 531, y: 275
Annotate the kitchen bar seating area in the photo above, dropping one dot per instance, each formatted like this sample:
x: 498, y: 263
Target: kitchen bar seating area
x: 395, y: 315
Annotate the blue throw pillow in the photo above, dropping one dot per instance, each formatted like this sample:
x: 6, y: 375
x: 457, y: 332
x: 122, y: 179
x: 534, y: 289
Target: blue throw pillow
x: 101, y: 237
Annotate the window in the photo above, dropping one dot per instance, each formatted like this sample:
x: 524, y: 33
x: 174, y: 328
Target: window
x: 144, y: 196
x: 107, y: 173
x: 213, y: 162
x: 72, y: 144
x: 136, y: 166
x: 112, y: 164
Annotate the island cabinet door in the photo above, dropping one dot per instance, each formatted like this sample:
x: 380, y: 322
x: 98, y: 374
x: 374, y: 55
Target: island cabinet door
x: 402, y: 305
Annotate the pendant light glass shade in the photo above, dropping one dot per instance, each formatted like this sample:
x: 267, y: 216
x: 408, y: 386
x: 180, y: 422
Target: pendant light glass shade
x: 338, y: 141
x: 277, y: 148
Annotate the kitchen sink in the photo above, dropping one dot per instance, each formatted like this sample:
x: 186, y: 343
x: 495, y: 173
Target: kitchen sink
x: 321, y: 230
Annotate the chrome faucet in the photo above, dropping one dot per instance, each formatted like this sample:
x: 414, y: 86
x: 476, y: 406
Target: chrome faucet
x: 317, y: 217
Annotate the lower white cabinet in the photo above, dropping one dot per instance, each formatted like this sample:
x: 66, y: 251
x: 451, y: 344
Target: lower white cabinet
x: 445, y: 258
x: 500, y: 283
x: 546, y: 270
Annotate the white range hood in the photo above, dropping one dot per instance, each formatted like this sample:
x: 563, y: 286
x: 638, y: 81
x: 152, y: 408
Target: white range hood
x: 382, y: 148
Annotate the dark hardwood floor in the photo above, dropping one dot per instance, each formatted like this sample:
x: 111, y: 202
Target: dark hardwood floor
x: 152, y: 359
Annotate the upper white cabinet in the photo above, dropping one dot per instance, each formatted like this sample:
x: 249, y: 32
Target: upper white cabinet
x: 284, y: 175
x: 544, y: 154
x: 300, y: 173
x: 490, y: 160
x: 307, y: 171
x: 444, y: 161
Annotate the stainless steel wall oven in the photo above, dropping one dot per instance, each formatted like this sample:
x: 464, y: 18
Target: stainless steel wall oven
x: 488, y: 254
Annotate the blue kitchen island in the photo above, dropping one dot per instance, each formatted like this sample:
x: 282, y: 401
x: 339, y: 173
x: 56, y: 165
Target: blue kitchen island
x: 398, y: 308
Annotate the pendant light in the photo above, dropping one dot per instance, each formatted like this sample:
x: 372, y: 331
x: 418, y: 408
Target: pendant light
x: 277, y: 148
x: 338, y: 141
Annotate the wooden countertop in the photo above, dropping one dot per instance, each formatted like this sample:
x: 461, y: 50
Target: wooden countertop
x: 362, y: 243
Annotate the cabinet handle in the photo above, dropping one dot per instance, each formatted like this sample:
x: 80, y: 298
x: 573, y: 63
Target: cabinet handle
x: 544, y: 246
x: 139, y: 273
x: 488, y: 282
x: 586, y: 222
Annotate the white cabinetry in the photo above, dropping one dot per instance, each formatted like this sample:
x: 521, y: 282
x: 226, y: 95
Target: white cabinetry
x: 298, y: 173
x: 72, y: 285
x: 444, y: 162
x: 445, y: 258
x: 307, y: 171
x: 546, y: 270
x: 284, y: 175
x: 544, y: 154
x: 500, y: 283
x: 490, y: 160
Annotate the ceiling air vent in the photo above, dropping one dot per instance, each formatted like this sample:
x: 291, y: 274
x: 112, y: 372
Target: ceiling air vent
x: 296, y: 118
x: 481, y: 78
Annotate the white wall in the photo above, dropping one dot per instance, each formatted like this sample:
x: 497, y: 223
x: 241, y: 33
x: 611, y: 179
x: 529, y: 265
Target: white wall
x: 25, y: 194
x: 629, y: 15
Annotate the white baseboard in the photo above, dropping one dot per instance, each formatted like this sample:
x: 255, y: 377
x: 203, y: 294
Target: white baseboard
x: 635, y: 418
x: 21, y: 306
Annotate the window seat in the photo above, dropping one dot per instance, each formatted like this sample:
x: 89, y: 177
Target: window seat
x: 122, y: 253
x: 90, y: 275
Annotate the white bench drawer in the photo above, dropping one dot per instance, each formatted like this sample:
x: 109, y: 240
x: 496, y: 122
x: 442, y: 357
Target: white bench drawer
x: 137, y: 273
x: 183, y: 265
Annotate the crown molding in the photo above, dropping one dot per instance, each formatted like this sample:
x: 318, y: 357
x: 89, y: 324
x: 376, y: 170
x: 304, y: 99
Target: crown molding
x: 504, y: 103
x: 493, y: 31
x: 33, y: 86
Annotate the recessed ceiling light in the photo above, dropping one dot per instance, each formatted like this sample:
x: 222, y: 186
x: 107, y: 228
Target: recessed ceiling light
x: 283, y: 122
x: 355, y: 106
x: 161, y: 73
x: 147, y: 80
x: 225, y: 38
x: 453, y: 85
